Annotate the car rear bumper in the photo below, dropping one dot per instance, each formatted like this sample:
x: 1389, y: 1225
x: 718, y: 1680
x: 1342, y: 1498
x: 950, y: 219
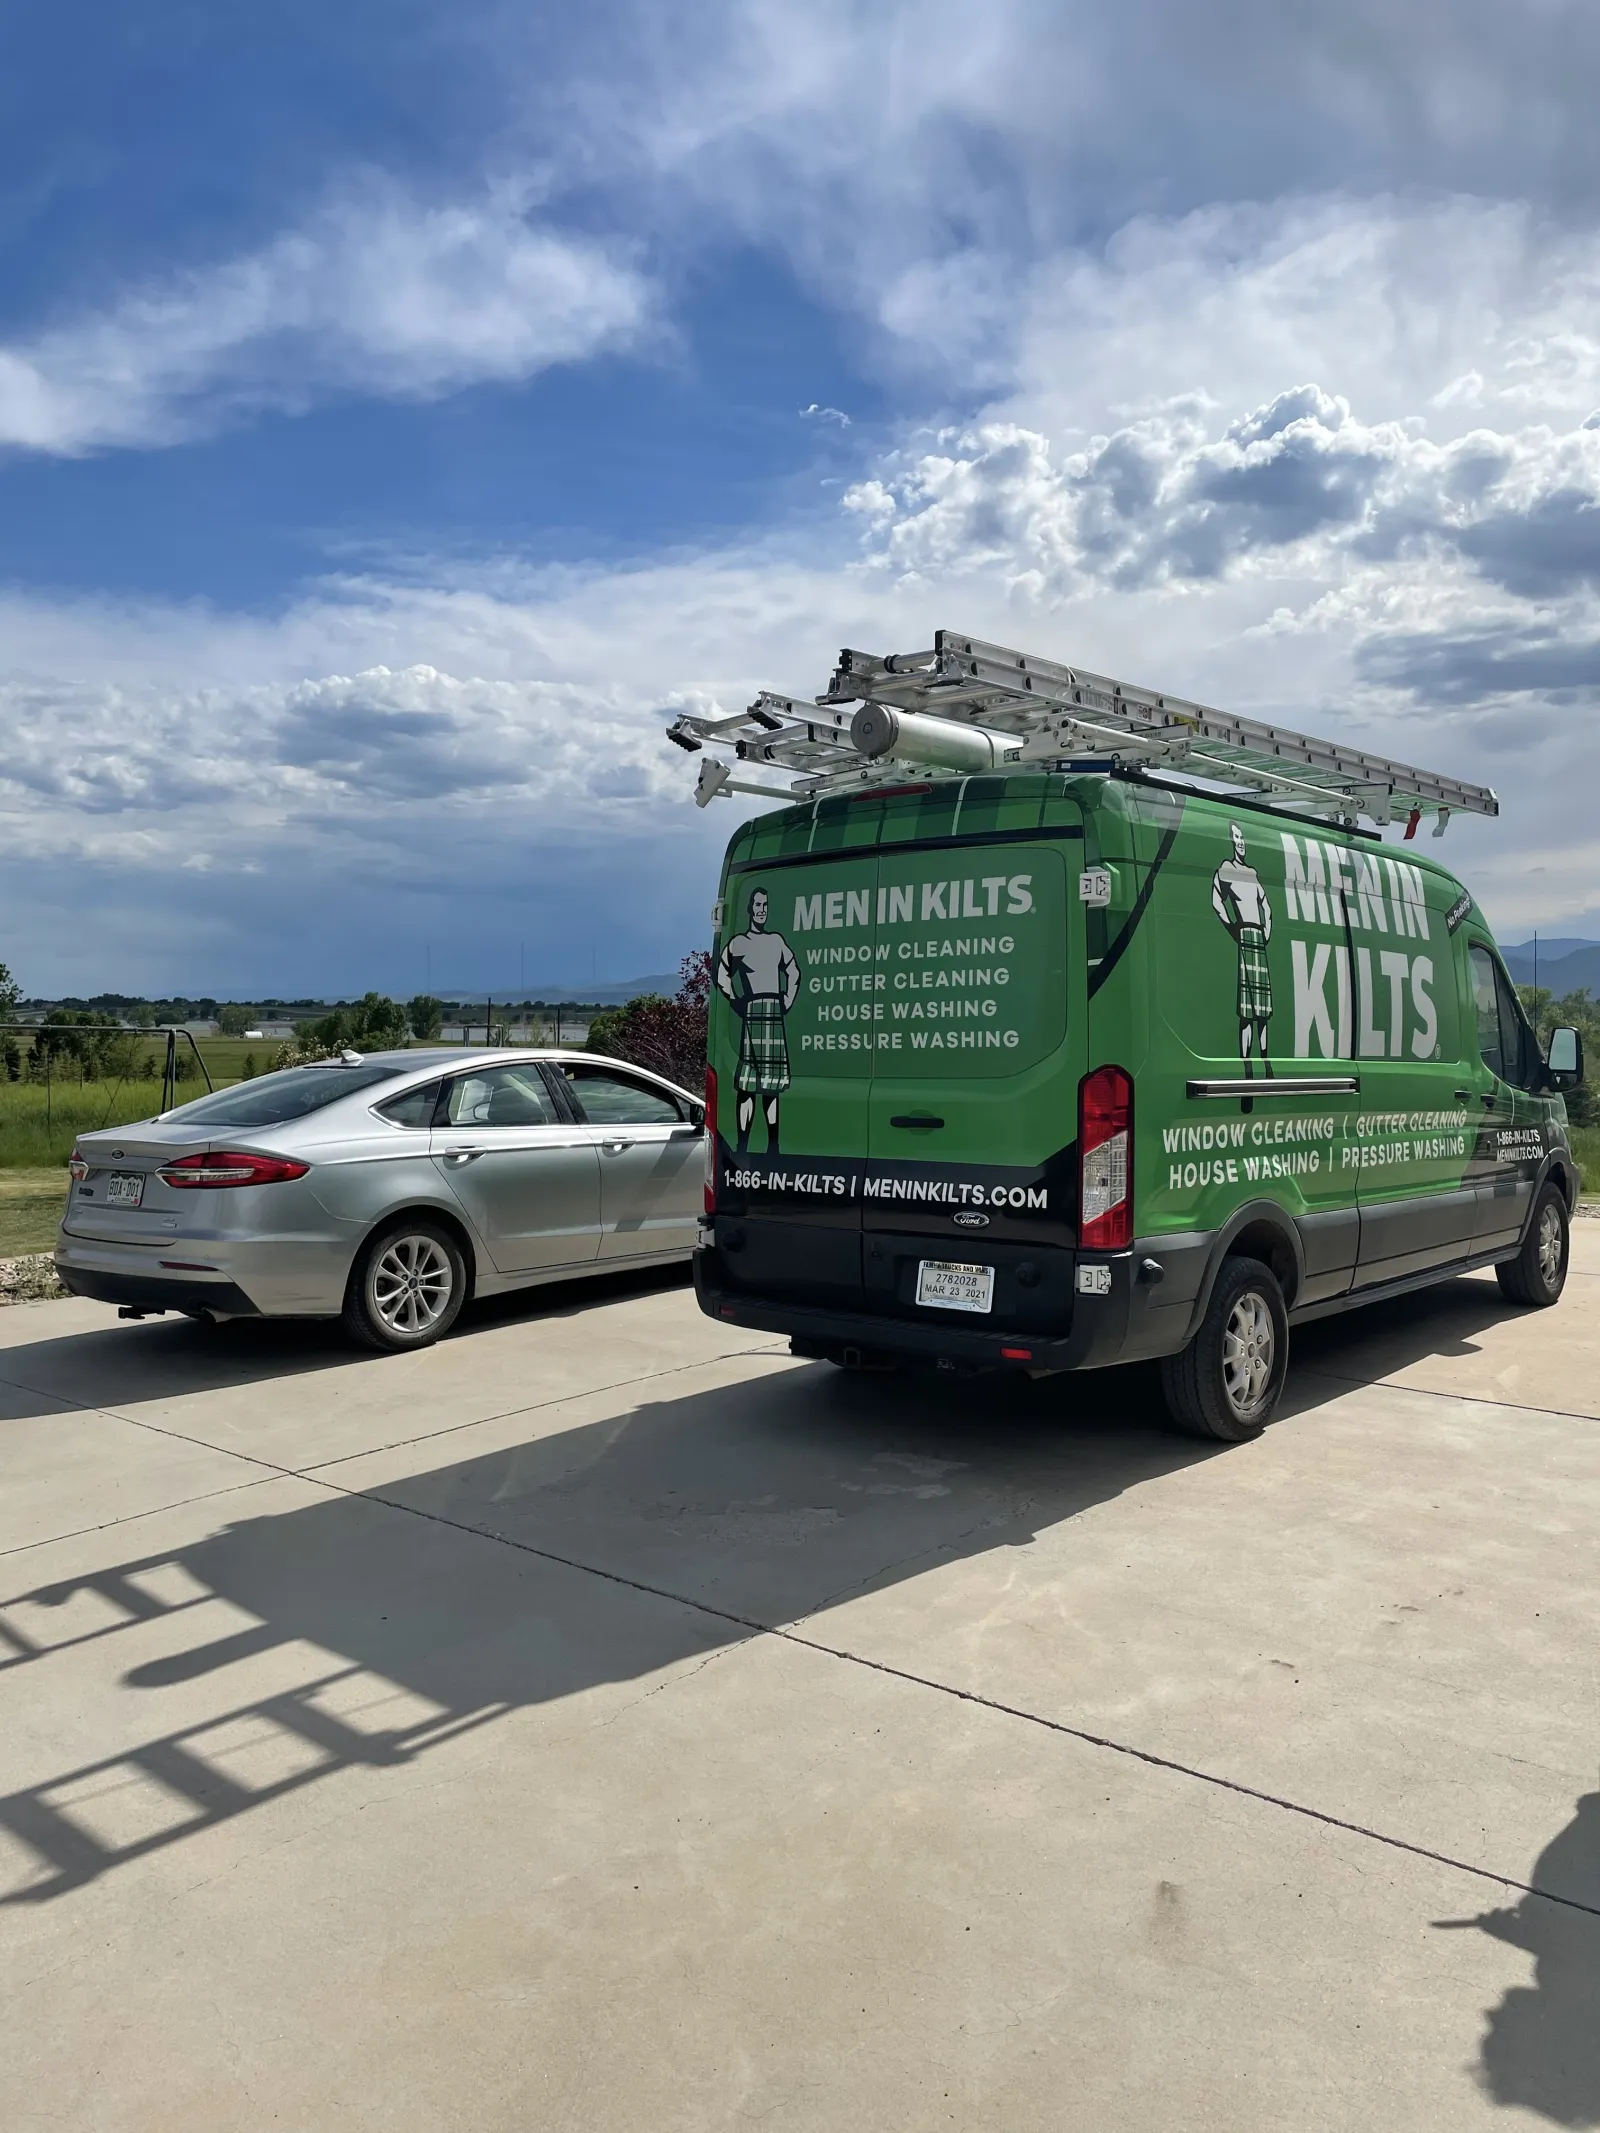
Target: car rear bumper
x: 167, y: 1292
x: 268, y: 1277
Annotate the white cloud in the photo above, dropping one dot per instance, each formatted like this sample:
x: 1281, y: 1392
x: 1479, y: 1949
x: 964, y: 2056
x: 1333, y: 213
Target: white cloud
x: 378, y: 293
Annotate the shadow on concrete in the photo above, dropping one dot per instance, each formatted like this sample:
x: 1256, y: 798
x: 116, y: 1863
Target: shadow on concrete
x: 161, y: 1358
x: 365, y: 1629
x: 1541, y: 2046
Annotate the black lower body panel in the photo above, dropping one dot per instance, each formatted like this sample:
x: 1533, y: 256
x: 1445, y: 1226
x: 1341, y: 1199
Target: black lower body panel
x: 150, y: 1292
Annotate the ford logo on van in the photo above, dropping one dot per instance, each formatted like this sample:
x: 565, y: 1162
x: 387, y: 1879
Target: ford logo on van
x: 968, y: 1220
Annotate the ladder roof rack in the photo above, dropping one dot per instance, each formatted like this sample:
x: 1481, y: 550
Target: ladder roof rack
x: 967, y: 706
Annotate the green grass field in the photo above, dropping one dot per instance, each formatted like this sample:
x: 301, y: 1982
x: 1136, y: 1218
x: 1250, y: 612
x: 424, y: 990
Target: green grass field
x: 30, y: 1208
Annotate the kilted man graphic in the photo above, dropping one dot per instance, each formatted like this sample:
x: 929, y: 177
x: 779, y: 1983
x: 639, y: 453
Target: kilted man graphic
x: 758, y: 973
x: 1241, y: 903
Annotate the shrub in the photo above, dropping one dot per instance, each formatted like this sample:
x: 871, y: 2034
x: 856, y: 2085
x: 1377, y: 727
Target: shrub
x: 668, y: 1036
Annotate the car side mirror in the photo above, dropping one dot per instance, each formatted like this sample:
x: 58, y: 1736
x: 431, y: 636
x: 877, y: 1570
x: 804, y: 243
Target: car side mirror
x: 1564, y: 1060
x: 697, y: 1116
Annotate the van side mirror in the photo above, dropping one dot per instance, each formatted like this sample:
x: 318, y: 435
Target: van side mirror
x: 1564, y: 1061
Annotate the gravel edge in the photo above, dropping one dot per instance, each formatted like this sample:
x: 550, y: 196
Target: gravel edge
x: 31, y: 1279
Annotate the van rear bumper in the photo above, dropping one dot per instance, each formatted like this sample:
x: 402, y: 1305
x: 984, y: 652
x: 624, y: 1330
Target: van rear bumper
x: 1097, y: 1335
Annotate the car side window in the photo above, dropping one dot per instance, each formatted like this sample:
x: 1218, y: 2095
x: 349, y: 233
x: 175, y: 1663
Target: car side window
x: 1486, y: 1006
x: 501, y: 1096
x: 415, y: 1108
x: 607, y: 1098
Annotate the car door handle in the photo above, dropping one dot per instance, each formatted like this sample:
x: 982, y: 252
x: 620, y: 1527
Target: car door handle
x: 462, y: 1155
x: 615, y: 1147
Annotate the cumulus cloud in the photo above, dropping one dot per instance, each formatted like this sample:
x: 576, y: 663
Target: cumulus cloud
x: 378, y: 293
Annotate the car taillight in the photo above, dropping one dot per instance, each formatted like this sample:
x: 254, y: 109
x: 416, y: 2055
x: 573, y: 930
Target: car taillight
x: 711, y: 1140
x: 227, y: 1166
x: 1105, y: 1160
x: 77, y: 1169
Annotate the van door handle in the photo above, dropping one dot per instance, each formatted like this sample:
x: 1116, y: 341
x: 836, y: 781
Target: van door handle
x: 1463, y: 1096
x: 1489, y: 1099
x: 916, y: 1119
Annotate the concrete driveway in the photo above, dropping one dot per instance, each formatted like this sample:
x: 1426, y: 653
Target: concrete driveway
x: 606, y: 1722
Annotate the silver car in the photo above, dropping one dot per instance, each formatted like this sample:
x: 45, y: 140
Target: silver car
x: 386, y: 1189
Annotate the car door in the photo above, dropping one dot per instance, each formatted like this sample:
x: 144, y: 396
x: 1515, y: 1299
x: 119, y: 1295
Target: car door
x: 651, y: 1154
x: 527, y: 1178
x: 1508, y: 1055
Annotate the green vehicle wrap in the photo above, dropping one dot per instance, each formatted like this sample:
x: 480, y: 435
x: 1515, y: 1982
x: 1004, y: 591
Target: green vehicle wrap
x: 1306, y: 1038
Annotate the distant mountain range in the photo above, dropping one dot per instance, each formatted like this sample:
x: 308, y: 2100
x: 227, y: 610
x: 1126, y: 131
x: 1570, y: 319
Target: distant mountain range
x: 1564, y: 964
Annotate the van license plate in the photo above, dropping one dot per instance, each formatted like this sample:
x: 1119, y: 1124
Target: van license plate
x: 123, y: 1190
x: 952, y: 1287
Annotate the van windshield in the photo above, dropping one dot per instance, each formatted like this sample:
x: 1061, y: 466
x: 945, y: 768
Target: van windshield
x: 276, y: 1099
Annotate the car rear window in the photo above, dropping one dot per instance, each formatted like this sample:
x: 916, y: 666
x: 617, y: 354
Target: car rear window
x: 275, y: 1099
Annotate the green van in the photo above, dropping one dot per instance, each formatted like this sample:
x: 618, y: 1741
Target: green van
x: 1051, y: 1069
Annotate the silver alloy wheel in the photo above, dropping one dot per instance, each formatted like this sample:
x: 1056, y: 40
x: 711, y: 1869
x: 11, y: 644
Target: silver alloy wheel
x: 1249, y: 1345
x: 412, y: 1284
x: 1550, y: 1245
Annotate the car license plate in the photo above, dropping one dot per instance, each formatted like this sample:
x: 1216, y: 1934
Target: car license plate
x: 123, y: 1189
x: 954, y: 1287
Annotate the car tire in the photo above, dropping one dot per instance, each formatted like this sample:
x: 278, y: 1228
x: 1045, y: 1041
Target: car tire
x: 1228, y: 1381
x: 407, y: 1287
x: 1538, y: 1274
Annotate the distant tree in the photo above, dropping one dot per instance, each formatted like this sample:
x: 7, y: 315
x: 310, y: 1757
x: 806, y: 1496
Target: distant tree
x: 374, y: 1023
x: 10, y: 995
x: 1580, y: 1011
x: 233, y: 1020
x: 426, y: 1016
x: 250, y: 1067
x: 142, y: 1014
x: 668, y: 1036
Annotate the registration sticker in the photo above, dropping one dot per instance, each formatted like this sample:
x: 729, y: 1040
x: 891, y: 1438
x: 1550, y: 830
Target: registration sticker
x: 124, y: 1189
x: 952, y: 1286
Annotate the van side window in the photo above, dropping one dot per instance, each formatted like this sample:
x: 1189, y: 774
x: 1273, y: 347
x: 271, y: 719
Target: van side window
x: 1486, y: 1003
x: 1516, y: 1038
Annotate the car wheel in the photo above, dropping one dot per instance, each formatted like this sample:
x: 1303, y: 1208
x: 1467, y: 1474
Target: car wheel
x: 1538, y: 1274
x: 1229, y: 1379
x: 406, y: 1288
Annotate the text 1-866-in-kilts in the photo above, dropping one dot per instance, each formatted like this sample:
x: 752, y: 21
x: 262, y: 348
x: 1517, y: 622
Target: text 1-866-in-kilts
x: 763, y: 1067
x: 1255, y: 979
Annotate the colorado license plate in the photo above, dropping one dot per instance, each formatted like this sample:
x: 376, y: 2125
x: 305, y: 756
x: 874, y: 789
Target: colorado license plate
x: 123, y: 1190
x: 954, y: 1287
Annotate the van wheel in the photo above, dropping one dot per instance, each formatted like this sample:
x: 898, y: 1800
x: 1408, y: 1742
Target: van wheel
x: 406, y: 1288
x: 1538, y: 1274
x: 1229, y: 1379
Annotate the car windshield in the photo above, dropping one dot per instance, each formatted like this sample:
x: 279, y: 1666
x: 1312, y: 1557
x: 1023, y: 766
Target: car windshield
x: 275, y: 1099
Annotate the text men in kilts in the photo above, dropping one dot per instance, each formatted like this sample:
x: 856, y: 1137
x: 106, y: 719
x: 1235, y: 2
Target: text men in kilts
x: 758, y: 973
x: 1241, y: 903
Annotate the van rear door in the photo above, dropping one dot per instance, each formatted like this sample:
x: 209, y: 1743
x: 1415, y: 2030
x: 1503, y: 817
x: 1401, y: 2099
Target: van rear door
x: 795, y: 1007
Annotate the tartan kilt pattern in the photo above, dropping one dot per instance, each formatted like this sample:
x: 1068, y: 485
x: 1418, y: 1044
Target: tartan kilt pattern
x: 1255, y: 979
x: 763, y: 1067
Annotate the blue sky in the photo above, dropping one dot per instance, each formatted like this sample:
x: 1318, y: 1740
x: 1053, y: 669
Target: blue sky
x: 403, y: 409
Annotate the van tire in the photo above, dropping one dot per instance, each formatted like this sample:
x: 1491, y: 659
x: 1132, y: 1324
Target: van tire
x: 416, y: 1252
x: 1538, y: 1274
x: 1229, y: 1379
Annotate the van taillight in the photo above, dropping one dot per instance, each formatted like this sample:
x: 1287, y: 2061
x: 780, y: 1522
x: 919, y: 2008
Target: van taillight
x: 1105, y: 1160
x: 711, y: 1140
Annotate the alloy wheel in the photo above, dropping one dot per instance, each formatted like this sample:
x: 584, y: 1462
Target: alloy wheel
x: 411, y: 1284
x: 1550, y: 1246
x: 1249, y: 1345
